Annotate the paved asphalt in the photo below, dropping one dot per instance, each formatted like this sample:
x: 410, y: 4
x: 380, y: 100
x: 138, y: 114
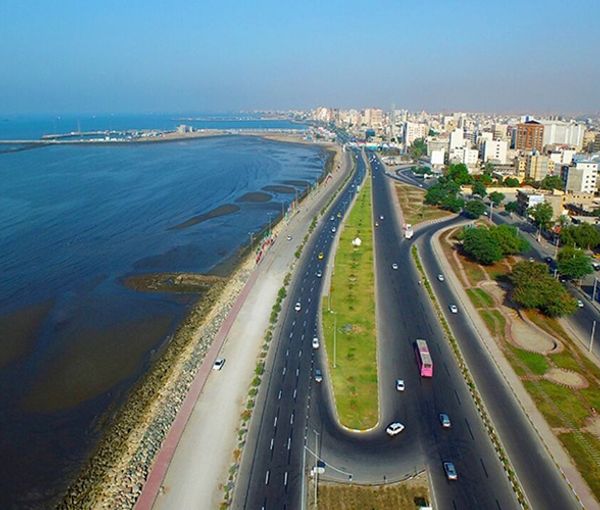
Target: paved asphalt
x: 297, y: 410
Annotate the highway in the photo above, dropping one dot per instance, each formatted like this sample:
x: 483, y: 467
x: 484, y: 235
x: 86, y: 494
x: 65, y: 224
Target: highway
x: 293, y: 410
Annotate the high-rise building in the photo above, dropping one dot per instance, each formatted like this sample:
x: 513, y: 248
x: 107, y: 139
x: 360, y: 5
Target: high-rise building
x: 412, y: 131
x: 530, y: 136
x: 495, y: 150
x: 582, y: 177
x: 538, y: 167
x: 501, y: 132
x: 457, y: 139
x: 566, y: 133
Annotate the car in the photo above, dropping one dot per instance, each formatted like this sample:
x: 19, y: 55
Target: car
x: 400, y: 384
x: 394, y: 428
x: 548, y: 260
x: 531, y: 259
x: 445, y: 421
x: 333, y: 229
x: 332, y: 218
x: 394, y: 266
x: 321, y: 255
x: 218, y: 364
x: 596, y: 266
x: 580, y: 303
x: 298, y: 306
x: 381, y: 217
x: 450, y: 471
x: 315, y: 343
x: 319, y: 273
x: 453, y: 308
x: 289, y: 238
x: 440, y: 277
x: 376, y: 224
x: 339, y: 215
x: 318, y: 375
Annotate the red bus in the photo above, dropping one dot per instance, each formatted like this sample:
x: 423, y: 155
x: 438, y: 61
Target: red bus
x: 424, y: 359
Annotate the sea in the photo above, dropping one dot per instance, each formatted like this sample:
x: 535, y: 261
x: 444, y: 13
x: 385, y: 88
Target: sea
x: 74, y: 222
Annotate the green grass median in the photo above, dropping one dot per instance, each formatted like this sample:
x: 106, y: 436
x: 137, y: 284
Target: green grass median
x: 352, y: 313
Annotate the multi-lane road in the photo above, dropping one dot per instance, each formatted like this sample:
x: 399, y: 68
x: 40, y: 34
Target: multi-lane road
x: 294, y: 411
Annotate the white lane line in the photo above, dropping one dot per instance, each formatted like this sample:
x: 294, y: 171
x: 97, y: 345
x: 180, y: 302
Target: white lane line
x: 292, y: 419
x: 275, y: 422
x: 291, y: 334
x: 287, y: 353
x: 300, y: 353
x: 297, y: 372
x: 295, y: 392
x: 289, y: 443
x: 267, y: 476
x: 285, y: 476
x: 293, y: 323
x: 304, y: 324
x: 283, y: 371
x: 279, y: 396
x: 309, y: 299
x: 272, y: 442
x: 302, y: 336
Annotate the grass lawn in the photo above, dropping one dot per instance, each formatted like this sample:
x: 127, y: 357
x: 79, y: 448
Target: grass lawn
x: 406, y: 496
x: 474, y: 273
x: 565, y: 360
x: 354, y: 378
x: 480, y: 298
x: 577, y: 445
x: 536, y: 363
x: 413, y: 208
x: 560, y: 400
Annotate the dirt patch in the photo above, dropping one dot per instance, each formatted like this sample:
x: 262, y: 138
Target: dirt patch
x: 593, y: 426
x: 566, y: 378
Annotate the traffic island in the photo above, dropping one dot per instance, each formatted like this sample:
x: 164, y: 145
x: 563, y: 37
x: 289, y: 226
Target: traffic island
x: 348, y: 319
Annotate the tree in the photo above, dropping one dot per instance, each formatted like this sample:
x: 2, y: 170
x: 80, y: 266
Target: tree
x: 459, y: 173
x: 583, y: 236
x: 475, y: 208
x: 552, y: 182
x: 479, y: 244
x: 453, y: 203
x: 574, y: 263
x: 509, y: 239
x: 436, y: 194
x: 488, y: 168
x: 533, y: 287
x: 496, y: 198
x: 541, y: 214
x: 478, y: 188
x: 512, y: 207
x: 512, y: 182
x: 417, y: 149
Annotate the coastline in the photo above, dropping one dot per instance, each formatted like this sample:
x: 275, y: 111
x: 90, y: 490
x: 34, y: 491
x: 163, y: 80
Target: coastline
x: 114, y: 474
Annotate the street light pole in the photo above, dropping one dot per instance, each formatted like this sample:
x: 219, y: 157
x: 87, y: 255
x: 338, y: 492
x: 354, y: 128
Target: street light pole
x: 303, y: 501
x: 592, y: 335
x: 594, y: 291
x: 556, y: 250
x: 317, y: 463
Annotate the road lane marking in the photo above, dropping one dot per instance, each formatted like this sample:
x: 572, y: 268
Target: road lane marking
x: 275, y: 422
x: 272, y: 442
x: 267, y: 477
x: 457, y: 398
x: 470, y: 431
x: 483, y: 466
x: 287, y: 353
x: 295, y: 392
x: 285, y: 478
x: 300, y: 353
x: 279, y: 396
x: 291, y: 334
x: 289, y: 444
x: 283, y: 371
x: 292, y: 419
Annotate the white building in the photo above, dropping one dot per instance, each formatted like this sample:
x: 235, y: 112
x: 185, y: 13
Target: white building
x: 412, y: 131
x: 437, y: 157
x: 495, y: 150
x: 373, y: 117
x: 582, y: 178
x: 568, y: 133
x: 563, y: 156
x: 457, y: 140
x: 469, y: 157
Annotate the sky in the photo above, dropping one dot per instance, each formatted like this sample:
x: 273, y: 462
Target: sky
x: 69, y: 56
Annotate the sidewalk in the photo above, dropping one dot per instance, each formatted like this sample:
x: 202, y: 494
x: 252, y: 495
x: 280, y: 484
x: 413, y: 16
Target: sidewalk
x: 547, y: 437
x: 193, y: 464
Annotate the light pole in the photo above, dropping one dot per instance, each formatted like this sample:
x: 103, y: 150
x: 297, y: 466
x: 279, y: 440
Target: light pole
x: 594, y: 290
x: 251, y: 234
x: 303, y: 503
x: 556, y: 249
x: 592, y: 335
x: 334, y: 340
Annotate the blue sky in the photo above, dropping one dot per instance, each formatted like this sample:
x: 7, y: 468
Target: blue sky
x: 214, y: 56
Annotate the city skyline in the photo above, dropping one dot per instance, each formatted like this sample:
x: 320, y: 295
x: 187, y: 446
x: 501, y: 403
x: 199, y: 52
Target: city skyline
x: 440, y: 56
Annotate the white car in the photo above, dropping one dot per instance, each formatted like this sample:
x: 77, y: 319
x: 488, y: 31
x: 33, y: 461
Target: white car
x: 315, y: 343
x: 333, y: 229
x: 218, y: 364
x: 289, y: 238
x: 580, y: 303
x: 381, y: 217
x: 394, y: 266
x: 298, y: 306
x: 400, y: 384
x: 450, y: 471
x: 394, y: 428
x: 319, y: 273
x: 440, y: 277
x: 453, y: 308
x: 445, y: 421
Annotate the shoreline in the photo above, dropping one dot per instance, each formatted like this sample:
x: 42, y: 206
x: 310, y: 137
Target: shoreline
x: 116, y: 470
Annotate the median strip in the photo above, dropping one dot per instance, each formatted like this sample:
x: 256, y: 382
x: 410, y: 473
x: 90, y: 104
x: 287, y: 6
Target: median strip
x: 348, y: 319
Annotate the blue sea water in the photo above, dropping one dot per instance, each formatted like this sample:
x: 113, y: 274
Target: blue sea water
x: 74, y: 220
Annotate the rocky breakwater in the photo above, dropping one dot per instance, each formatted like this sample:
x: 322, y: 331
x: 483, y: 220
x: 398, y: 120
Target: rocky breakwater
x: 114, y: 476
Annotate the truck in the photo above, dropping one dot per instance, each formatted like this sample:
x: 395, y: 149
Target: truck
x: 408, y: 231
